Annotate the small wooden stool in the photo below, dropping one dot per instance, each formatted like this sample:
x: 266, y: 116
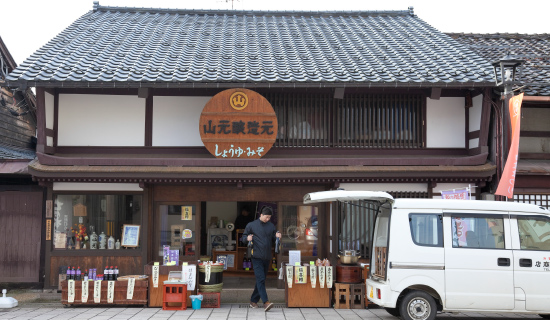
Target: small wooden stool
x: 349, y: 296
x: 174, y: 294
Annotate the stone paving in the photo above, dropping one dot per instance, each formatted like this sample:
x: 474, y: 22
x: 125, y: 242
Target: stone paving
x: 226, y: 311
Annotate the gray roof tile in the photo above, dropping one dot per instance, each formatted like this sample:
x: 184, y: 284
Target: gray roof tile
x: 533, y: 48
x: 131, y: 45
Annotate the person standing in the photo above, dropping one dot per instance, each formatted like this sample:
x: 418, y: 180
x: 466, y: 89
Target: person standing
x: 263, y: 233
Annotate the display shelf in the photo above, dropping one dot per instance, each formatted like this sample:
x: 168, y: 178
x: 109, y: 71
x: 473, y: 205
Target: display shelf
x: 302, y: 295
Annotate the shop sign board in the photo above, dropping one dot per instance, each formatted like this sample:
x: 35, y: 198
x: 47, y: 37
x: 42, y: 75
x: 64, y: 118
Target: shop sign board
x: 238, y: 124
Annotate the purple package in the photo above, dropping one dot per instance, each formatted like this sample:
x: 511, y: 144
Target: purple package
x: 165, y: 255
x: 175, y: 256
x: 94, y: 273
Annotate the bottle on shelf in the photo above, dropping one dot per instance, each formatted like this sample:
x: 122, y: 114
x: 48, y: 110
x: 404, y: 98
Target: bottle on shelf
x: 245, y: 263
x: 106, y: 273
x: 78, y: 274
x: 69, y: 273
x: 73, y: 273
x: 85, y: 275
x: 116, y: 273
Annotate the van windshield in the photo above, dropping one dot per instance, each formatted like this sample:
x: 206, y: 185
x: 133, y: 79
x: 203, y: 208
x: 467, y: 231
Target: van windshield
x: 380, y: 243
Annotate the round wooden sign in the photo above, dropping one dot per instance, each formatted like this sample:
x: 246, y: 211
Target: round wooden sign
x: 238, y: 124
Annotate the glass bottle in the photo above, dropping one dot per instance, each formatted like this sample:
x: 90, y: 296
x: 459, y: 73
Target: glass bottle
x: 93, y: 238
x: 102, y: 240
x: 111, y: 243
x: 117, y: 244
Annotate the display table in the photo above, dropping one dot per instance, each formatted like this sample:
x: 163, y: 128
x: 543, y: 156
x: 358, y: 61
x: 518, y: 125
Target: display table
x: 121, y: 288
x: 155, y: 294
x: 302, y: 295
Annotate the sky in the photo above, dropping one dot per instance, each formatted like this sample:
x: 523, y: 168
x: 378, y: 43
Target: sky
x: 26, y: 25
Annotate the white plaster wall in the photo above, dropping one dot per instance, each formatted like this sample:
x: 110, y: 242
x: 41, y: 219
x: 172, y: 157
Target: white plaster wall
x: 445, y: 123
x: 475, y: 113
x: 85, y: 186
x: 49, y: 105
x: 101, y: 120
x: 398, y: 187
x: 176, y: 120
x: 474, y: 143
x: 534, y: 144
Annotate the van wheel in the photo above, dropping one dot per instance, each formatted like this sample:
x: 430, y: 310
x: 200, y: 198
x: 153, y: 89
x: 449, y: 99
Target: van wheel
x: 545, y: 316
x: 393, y: 311
x: 418, y: 305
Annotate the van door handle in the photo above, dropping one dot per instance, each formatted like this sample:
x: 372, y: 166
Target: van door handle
x: 503, y: 262
x: 527, y: 263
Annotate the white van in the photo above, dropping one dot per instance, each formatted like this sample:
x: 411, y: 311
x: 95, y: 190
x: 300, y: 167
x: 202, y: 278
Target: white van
x: 432, y: 255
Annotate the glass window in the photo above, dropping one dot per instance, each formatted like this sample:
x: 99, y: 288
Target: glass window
x: 426, y: 229
x: 380, y: 243
x: 478, y: 232
x: 80, y: 218
x: 300, y: 229
x: 534, y: 233
x: 177, y: 229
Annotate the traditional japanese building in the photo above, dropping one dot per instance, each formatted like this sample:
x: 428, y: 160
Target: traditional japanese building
x: 144, y: 114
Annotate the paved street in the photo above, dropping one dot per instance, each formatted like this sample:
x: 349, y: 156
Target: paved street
x: 226, y: 311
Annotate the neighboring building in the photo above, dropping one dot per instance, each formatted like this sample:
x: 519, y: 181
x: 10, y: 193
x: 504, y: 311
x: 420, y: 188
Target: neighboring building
x: 374, y: 100
x: 21, y: 199
x: 532, y: 183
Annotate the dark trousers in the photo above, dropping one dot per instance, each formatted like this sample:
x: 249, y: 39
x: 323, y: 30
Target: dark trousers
x: 260, y: 271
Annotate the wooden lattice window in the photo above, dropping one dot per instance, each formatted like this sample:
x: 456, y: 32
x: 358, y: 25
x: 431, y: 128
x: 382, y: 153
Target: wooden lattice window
x: 357, y: 121
x: 542, y: 200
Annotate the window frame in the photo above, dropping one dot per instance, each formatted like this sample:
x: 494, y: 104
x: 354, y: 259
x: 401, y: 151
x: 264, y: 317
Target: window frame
x: 440, y: 230
x: 502, y: 217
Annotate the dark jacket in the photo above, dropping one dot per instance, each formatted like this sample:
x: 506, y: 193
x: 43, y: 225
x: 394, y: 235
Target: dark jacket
x: 264, y: 237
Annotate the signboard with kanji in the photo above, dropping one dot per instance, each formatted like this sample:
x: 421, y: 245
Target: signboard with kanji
x: 186, y: 213
x: 238, y: 124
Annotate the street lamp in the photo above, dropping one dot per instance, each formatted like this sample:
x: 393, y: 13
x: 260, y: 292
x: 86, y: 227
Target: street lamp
x: 505, y: 70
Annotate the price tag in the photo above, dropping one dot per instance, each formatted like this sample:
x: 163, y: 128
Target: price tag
x: 321, y: 276
x: 110, y: 291
x: 97, y: 291
x: 84, y: 298
x: 207, y: 270
x: 70, y: 291
x: 289, y: 275
x: 130, y: 290
x: 156, y: 276
x: 329, y: 276
x: 313, y: 274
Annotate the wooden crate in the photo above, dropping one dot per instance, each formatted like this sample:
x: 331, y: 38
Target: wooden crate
x: 174, y: 296
x: 304, y: 296
x: 349, y: 296
x: 121, y: 287
x: 155, y: 294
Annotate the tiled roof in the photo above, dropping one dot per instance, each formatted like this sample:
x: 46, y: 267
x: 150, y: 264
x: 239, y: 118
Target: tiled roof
x: 533, y: 48
x: 119, y: 46
x: 11, y: 153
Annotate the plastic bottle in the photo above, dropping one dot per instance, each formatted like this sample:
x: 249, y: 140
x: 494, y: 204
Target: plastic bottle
x: 250, y: 249
x: 86, y: 275
x: 116, y: 273
x: 69, y: 273
x: 106, y: 273
x: 73, y: 273
x: 78, y: 274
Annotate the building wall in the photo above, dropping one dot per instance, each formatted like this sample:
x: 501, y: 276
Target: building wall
x: 101, y: 120
x: 474, y: 121
x: 445, y: 123
x: 176, y: 121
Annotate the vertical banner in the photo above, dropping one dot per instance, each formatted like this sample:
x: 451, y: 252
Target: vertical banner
x: 322, y: 270
x: 189, y: 276
x: 155, y: 276
x: 97, y: 291
x: 289, y: 275
x: 130, y: 290
x: 300, y: 274
x: 70, y: 291
x: 313, y: 275
x: 110, y: 291
x: 329, y: 276
x: 508, y: 179
x: 84, y: 297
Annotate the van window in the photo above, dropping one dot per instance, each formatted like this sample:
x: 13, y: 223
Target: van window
x: 534, y: 233
x: 380, y: 243
x: 426, y: 229
x: 478, y: 232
